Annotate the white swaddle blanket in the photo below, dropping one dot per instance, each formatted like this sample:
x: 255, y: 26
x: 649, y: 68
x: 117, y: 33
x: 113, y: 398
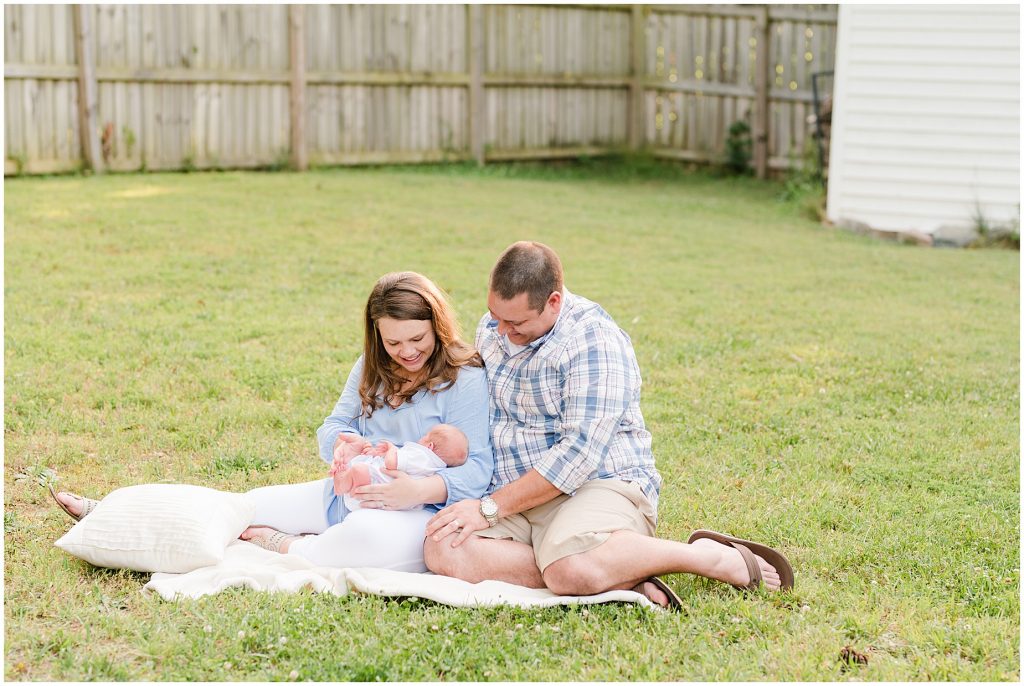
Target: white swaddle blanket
x: 249, y: 566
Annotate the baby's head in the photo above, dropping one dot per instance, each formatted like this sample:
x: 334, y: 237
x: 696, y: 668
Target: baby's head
x: 448, y: 443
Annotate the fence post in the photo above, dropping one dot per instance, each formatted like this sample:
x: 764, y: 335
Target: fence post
x: 87, y: 104
x: 476, y: 83
x: 762, y: 86
x: 637, y: 69
x: 297, y: 93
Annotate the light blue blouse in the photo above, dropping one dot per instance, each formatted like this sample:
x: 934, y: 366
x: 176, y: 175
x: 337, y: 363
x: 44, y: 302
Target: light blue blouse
x: 463, y: 405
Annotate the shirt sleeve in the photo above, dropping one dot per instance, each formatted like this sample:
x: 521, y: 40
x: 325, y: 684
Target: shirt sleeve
x: 599, y: 382
x: 345, y: 416
x: 481, y: 329
x: 417, y: 461
x: 468, y: 410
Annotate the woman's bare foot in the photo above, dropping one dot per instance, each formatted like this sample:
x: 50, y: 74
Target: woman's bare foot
x: 74, y: 504
x: 269, y: 538
x: 730, y: 567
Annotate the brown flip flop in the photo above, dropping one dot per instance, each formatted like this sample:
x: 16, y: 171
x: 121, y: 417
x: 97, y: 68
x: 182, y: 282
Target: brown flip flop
x: 675, y: 603
x: 747, y: 550
x: 88, y: 504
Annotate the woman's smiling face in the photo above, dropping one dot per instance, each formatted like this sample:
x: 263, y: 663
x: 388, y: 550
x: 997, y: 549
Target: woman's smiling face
x: 409, y: 342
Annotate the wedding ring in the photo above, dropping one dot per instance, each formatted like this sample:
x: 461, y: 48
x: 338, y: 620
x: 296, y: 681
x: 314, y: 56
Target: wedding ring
x: 458, y: 524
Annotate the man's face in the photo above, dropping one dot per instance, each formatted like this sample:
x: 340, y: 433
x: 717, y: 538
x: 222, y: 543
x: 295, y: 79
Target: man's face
x: 521, y: 323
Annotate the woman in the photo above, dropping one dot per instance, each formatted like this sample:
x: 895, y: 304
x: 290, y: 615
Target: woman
x: 415, y: 372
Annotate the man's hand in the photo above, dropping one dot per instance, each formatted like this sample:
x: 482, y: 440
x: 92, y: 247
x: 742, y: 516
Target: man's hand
x: 463, y: 517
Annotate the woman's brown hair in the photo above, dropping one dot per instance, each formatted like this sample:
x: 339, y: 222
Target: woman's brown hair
x: 404, y: 296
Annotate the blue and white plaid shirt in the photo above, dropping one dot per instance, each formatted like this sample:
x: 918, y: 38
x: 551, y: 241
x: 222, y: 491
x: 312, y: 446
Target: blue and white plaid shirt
x: 568, y: 404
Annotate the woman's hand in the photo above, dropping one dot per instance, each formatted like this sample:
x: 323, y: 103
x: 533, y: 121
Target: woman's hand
x: 401, y: 494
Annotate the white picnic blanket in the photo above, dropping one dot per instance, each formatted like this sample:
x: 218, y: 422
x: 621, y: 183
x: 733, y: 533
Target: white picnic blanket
x: 249, y: 566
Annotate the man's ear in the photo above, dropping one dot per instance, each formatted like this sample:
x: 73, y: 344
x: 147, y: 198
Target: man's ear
x: 555, y: 300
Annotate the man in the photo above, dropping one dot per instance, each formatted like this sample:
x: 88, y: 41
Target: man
x: 575, y: 491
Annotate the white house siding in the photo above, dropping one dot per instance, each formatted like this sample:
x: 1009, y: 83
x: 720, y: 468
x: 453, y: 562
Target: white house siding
x: 926, y: 117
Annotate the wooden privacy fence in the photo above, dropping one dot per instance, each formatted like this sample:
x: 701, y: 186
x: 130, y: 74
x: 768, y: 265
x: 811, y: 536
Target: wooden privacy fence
x: 130, y: 87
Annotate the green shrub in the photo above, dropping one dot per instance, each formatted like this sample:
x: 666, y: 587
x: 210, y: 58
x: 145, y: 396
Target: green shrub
x: 738, y: 147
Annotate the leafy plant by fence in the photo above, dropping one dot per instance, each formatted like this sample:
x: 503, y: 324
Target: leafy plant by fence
x: 207, y: 86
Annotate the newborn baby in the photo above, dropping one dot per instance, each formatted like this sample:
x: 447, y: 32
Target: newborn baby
x: 362, y: 463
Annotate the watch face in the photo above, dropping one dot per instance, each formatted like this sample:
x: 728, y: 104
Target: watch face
x: 489, y: 507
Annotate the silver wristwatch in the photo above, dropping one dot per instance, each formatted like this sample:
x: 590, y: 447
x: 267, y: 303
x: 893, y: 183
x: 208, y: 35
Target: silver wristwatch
x: 489, y: 510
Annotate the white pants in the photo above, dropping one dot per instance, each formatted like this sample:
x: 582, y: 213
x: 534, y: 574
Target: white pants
x: 364, y: 538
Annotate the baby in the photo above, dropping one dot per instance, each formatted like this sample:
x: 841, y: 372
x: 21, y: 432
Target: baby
x: 362, y: 463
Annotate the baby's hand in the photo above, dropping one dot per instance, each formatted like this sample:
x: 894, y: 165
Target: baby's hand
x: 381, y: 448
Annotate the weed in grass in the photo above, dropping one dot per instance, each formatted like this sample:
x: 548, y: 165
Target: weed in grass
x: 20, y: 162
x: 993, y: 233
x: 227, y: 465
x: 37, y: 474
x: 128, y: 136
x: 803, y: 187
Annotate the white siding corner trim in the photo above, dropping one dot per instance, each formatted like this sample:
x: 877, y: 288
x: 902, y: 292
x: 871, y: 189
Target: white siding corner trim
x: 926, y: 116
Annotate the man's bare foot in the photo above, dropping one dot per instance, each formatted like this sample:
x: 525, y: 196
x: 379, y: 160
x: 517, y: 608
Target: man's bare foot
x: 652, y: 593
x: 730, y: 568
x: 269, y: 538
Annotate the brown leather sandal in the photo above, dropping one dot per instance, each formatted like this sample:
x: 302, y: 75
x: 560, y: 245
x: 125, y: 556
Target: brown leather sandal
x: 675, y: 603
x: 88, y: 504
x: 747, y: 551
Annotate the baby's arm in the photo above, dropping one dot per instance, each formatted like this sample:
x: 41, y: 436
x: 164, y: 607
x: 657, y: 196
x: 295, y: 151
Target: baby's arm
x: 390, y: 456
x: 388, y: 451
x: 418, y: 463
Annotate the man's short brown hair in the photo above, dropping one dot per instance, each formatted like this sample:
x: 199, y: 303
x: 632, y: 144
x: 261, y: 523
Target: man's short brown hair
x: 527, y: 267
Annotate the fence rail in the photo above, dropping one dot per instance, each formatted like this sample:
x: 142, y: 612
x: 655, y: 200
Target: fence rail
x: 234, y: 86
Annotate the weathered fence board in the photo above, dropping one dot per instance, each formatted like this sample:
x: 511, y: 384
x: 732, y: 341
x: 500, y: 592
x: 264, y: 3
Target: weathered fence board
x: 207, y: 86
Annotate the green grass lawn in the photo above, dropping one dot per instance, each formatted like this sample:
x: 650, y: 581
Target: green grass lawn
x: 854, y: 402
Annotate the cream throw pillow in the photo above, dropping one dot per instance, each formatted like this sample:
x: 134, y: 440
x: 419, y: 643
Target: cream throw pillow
x: 171, y: 528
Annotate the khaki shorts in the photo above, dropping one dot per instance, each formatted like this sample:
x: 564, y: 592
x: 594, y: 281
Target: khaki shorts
x: 575, y: 524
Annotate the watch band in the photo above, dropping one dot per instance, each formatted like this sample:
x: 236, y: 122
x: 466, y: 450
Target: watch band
x: 489, y: 510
